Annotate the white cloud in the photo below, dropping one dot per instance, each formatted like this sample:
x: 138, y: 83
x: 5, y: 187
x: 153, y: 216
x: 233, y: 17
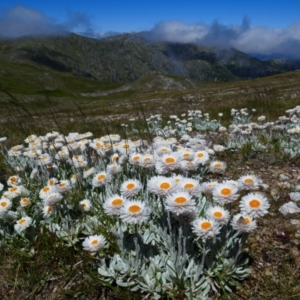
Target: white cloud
x: 19, y: 21
x: 250, y: 39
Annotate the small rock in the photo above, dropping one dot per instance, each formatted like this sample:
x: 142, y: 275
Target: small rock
x: 295, y: 222
x: 283, y: 177
x: 268, y: 272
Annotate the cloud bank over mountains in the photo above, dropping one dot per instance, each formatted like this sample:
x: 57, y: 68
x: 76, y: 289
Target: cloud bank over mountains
x: 258, y: 40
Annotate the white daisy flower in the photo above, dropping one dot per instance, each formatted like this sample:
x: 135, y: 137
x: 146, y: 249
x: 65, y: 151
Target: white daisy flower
x: 46, y: 191
x: 188, y: 165
x: 162, y: 149
x: 178, y: 179
x: 1, y: 186
x: 217, y: 167
x: 130, y: 187
x: 45, y: 159
x: 135, y: 158
x: 134, y: 212
x: 52, y: 198
x: 24, y: 202
x: 243, y: 223
x: 52, y: 181
x: 96, y: 145
x: 249, y: 182
x: 22, y: 224
x: 218, y: 148
x: 206, y: 228
x: 126, y: 147
x: 94, y: 243
x: 14, y: 180
x: 180, y: 202
x: 47, y: 210
x: 79, y: 161
x: 254, y: 204
x: 186, y: 154
x: 85, y: 205
x: 63, y: 186
x: 114, y: 169
x: 100, y: 179
x: 115, y: 137
x: 16, y: 191
x: 5, y: 205
x: 112, y: 205
x: 147, y: 161
x: 63, y: 154
x: 161, y: 186
x: 218, y: 213
x: 202, y: 157
x: 192, y: 186
x: 75, y: 178
x: 225, y: 193
x: 88, y: 172
x: 52, y: 135
x: 167, y: 163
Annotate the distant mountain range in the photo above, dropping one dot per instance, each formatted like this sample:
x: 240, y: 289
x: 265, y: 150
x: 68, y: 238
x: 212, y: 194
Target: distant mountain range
x: 128, y: 57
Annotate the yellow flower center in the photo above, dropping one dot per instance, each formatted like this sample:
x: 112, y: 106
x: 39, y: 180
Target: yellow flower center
x: 46, y: 189
x: 218, y: 165
x: 136, y: 158
x: 180, y: 200
x: 164, y: 149
x: 226, y: 191
x: 134, y: 208
x: 13, y: 189
x: 117, y: 202
x: 126, y: 146
x: 25, y: 201
x: 254, y: 203
x: 13, y: 179
x: 147, y: 159
x: 205, y: 225
x: 94, y: 242
x: 169, y: 160
x: 62, y: 184
x: 165, y: 185
x: 247, y: 220
x: 218, y: 214
x: 22, y: 221
x: 130, y: 186
x: 249, y: 180
x: 101, y: 177
x: 186, y: 155
x: 189, y: 186
x: 3, y: 204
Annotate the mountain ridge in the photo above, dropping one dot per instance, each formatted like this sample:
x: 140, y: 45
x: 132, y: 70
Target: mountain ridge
x: 128, y: 57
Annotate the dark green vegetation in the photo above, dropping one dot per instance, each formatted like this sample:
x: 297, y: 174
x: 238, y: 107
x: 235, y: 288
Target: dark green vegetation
x: 128, y: 57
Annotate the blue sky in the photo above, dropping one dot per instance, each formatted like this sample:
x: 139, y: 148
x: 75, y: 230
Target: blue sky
x: 139, y: 15
x: 263, y: 27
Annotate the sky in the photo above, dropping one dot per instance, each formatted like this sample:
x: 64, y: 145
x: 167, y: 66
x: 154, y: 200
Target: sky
x: 265, y: 27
